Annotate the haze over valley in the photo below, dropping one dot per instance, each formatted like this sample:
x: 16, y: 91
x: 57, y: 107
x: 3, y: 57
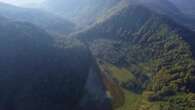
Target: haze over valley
x: 97, y: 55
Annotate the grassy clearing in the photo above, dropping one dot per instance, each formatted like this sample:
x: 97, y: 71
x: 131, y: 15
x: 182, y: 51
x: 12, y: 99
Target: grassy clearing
x: 132, y: 101
x: 138, y: 102
x: 121, y: 74
x: 124, y: 99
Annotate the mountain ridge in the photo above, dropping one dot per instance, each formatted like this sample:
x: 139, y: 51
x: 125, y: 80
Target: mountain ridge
x: 52, y: 23
x: 129, y: 55
x: 136, y: 37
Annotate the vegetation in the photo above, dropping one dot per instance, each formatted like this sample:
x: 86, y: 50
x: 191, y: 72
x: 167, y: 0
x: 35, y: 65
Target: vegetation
x: 36, y: 75
x: 132, y: 58
x: 121, y: 74
x: 132, y: 101
x: 144, y: 52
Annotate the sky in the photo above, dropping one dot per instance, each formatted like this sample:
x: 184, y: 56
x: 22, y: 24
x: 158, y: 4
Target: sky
x: 21, y: 2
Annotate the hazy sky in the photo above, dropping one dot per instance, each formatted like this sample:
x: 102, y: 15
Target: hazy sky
x: 21, y: 2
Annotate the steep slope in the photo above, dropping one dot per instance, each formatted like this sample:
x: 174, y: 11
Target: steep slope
x: 50, y: 22
x: 36, y: 75
x: 143, y: 52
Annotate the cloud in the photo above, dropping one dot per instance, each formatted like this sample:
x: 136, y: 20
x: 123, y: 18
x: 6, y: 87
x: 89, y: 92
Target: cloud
x: 21, y: 2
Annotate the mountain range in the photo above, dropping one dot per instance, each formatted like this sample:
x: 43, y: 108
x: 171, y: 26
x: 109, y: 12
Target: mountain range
x: 52, y: 23
x: 75, y: 10
x: 111, y: 55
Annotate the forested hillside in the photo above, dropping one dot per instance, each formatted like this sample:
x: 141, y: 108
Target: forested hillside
x: 146, y: 54
x: 98, y: 55
x: 36, y: 74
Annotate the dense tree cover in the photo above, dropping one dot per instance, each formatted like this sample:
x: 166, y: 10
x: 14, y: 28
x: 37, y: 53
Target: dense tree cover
x: 145, y: 60
x: 35, y: 74
x: 150, y: 46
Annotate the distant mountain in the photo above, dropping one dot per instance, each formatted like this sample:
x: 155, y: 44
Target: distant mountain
x: 170, y: 9
x: 37, y: 75
x: 186, y: 6
x: 93, y: 10
x: 162, y: 6
x: 80, y: 11
x: 119, y: 55
x: 145, y: 57
x: 50, y: 22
